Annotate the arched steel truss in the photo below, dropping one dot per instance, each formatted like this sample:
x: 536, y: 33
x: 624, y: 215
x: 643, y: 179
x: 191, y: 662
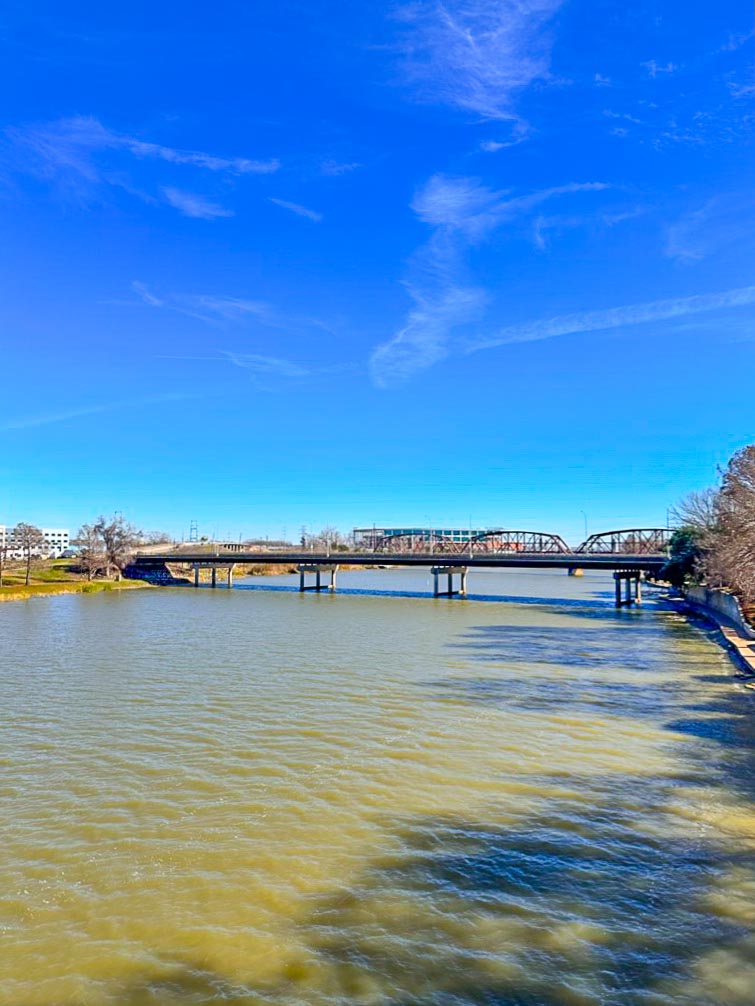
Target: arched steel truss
x: 632, y: 541
x: 431, y: 542
x: 488, y: 543
x: 496, y: 542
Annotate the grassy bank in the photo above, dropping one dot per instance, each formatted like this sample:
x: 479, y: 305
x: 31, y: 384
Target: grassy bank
x: 56, y: 576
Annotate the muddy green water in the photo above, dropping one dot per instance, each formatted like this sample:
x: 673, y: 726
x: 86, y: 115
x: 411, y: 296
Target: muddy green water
x: 252, y: 796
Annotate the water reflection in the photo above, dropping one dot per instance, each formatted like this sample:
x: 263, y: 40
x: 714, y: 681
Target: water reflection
x: 549, y: 602
x: 233, y: 797
x: 555, y: 911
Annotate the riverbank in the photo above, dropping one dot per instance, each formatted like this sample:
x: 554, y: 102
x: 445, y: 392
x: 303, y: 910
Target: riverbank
x: 733, y: 630
x: 55, y: 576
x: 22, y: 592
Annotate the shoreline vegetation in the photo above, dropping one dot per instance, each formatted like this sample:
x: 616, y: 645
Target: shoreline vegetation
x: 61, y: 576
x: 56, y: 576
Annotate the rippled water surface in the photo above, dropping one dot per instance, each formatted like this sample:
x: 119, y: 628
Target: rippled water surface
x: 252, y: 796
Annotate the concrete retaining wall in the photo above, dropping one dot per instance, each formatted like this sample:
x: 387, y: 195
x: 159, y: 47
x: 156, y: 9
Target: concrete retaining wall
x: 722, y: 603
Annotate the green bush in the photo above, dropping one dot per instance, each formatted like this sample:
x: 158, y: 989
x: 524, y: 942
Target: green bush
x: 684, y: 557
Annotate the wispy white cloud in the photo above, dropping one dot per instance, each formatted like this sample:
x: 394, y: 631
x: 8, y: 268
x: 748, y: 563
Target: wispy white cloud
x: 192, y: 205
x: 233, y: 165
x: 740, y: 90
x: 494, y: 146
x: 69, y: 144
x: 477, y: 55
x: 212, y: 308
x: 267, y: 366
x: 444, y: 301
x: 614, y: 217
x: 719, y: 222
x: 66, y: 415
x: 462, y: 212
x: 736, y: 41
x: 83, y: 156
x: 623, y: 116
x: 473, y: 209
x: 653, y: 68
x: 265, y: 371
x: 300, y: 211
x: 335, y: 168
x: 221, y: 311
x: 613, y: 318
x: 684, y: 238
x: 237, y: 308
x: 423, y: 339
x: 546, y: 226
x: 146, y: 295
x: 49, y: 418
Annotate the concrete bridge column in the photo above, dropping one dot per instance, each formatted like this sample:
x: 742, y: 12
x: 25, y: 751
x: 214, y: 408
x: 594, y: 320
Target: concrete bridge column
x: 449, y: 571
x: 214, y: 576
x: 632, y: 587
x: 318, y: 584
x: 230, y: 575
x: 196, y: 576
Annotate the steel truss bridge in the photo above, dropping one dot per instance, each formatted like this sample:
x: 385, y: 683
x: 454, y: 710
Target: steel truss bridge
x: 629, y: 553
x: 499, y: 542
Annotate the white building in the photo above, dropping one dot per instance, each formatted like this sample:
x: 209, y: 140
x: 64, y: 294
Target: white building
x: 56, y: 542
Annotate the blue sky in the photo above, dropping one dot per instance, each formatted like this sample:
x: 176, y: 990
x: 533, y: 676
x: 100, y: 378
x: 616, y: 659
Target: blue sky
x: 280, y: 264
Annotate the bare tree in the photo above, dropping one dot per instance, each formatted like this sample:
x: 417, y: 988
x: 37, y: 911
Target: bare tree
x: 4, y: 550
x: 91, y: 556
x: 119, y: 539
x: 734, y: 551
x: 721, y: 522
x: 158, y: 538
x: 30, y: 540
x: 698, y: 511
x: 329, y: 539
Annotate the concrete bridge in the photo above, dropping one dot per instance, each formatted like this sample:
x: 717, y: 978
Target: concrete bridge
x: 629, y: 553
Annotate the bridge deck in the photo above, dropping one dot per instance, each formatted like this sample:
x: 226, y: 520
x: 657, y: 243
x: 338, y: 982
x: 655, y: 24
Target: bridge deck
x: 518, y: 560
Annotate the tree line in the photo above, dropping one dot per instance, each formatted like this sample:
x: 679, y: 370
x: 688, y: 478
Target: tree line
x: 715, y: 542
x: 104, y: 547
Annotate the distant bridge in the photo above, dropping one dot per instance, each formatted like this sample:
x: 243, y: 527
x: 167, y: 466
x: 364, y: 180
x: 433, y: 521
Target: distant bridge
x: 629, y: 553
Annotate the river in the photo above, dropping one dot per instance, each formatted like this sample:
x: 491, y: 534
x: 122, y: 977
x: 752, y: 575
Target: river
x: 254, y: 796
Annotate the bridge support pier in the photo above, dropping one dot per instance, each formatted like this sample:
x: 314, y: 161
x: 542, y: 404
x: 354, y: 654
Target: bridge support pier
x: 318, y: 584
x: 449, y: 572
x: 632, y: 587
x: 213, y: 574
